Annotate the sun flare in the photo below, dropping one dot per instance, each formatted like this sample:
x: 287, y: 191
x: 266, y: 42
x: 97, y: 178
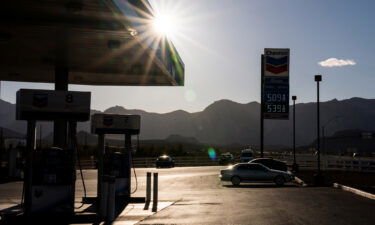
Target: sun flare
x: 163, y: 25
x: 157, y: 24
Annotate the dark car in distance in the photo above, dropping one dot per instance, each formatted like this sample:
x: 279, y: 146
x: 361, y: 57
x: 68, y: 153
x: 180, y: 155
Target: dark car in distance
x: 226, y: 159
x: 164, y: 161
x: 271, y: 163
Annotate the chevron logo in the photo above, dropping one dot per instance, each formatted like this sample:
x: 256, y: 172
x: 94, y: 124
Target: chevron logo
x: 278, y: 61
x: 277, y: 65
x: 108, y: 121
x: 277, y: 70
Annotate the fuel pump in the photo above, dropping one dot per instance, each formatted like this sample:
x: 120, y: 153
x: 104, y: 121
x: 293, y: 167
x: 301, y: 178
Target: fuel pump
x: 53, y: 176
x: 49, y: 183
x: 117, y: 164
x: 15, y: 162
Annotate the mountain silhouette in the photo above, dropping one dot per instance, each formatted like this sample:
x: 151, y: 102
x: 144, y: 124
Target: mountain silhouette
x: 226, y: 122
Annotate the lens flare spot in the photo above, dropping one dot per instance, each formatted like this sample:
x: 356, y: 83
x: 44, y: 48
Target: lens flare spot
x: 190, y: 95
x: 212, y: 153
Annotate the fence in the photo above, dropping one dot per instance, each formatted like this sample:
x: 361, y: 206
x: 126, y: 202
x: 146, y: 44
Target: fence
x: 357, y: 165
x: 306, y: 162
x: 150, y: 162
x: 338, y: 163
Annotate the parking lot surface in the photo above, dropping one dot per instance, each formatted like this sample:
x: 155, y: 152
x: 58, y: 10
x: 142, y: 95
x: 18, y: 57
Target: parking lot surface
x: 199, y: 197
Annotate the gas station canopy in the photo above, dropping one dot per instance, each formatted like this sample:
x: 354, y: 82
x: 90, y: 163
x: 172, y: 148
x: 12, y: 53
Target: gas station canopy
x: 95, y: 40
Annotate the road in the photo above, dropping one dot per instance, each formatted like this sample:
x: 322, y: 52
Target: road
x: 200, y: 198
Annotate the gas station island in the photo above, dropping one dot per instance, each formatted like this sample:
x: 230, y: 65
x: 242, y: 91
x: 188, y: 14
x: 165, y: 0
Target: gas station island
x: 85, y: 42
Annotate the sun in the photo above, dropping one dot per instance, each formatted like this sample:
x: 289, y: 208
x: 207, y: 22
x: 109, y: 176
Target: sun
x: 164, y: 25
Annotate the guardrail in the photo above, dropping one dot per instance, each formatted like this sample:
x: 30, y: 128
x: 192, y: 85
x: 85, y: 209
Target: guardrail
x: 179, y: 161
x: 367, y: 166
x: 306, y: 162
x: 338, y: 163
x: 150, y: 162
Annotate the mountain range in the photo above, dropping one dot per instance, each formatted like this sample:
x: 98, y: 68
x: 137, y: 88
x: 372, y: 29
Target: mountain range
x: 226, y: 122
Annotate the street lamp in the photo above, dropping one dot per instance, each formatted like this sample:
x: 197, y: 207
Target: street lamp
x: 318, y: 178
x: 295, y: 165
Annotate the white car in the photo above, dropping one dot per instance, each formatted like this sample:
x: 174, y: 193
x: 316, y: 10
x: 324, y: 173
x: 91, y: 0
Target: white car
x: 254, y: 173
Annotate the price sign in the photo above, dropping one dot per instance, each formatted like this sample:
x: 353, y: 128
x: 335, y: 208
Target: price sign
x: 276, y: 101
x: 276, y: 84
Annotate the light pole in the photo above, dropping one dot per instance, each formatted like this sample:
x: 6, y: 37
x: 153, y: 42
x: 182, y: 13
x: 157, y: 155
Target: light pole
x: 40, y: 136
x: 295, y: 165
x: 319, y: 179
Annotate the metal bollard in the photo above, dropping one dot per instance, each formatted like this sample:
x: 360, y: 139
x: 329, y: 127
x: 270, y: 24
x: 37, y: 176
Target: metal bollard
x: 111, y: 202
x: 148, y: 187
x: 155, y: 197
x: 148, y: 191
x: 103, y: 198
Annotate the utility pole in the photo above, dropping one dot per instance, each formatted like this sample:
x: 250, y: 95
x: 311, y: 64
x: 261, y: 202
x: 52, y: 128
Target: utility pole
x: 295, y: 165
x: 261, y: 108
x: 319, y: 179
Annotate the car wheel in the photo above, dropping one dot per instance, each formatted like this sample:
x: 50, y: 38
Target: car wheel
x: 279, y: 181
x: 236, y: 181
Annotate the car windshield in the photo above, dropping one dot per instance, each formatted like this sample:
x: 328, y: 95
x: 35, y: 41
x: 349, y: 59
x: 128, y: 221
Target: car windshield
x: 247, y: 154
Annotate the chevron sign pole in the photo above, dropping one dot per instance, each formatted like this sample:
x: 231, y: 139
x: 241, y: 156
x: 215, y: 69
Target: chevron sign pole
x: 276, y: 83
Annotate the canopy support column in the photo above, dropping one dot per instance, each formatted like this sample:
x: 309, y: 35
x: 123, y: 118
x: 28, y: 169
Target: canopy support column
x: 60, y: 126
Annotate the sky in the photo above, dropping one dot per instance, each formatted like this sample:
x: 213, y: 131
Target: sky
x: 221, y: 41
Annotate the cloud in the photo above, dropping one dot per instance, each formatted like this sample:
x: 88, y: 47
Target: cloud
x: 334, y: 62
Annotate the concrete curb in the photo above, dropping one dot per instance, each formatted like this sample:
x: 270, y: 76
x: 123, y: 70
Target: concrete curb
x: 135, y: 213
x: 354, y: 191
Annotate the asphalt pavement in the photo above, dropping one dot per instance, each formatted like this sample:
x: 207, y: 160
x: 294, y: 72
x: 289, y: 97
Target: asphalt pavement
x: 195, y: 195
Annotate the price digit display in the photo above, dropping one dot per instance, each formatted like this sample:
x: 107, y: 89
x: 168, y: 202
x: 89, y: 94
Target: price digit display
x: 276, y: 98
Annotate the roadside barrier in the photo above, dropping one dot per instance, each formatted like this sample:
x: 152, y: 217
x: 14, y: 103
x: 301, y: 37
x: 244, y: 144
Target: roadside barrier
x: 305, y: 162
